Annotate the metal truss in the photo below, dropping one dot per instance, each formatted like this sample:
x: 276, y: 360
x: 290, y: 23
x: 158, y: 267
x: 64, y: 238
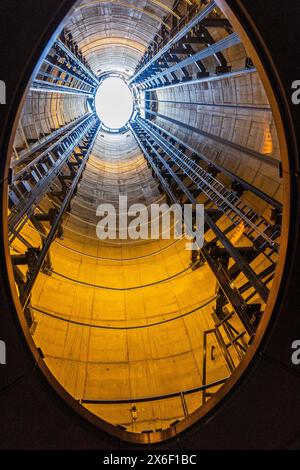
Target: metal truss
x: 65, y: 71
x: 29, y: 184
x: 149, y: 64
x: 71, y: 51
x: 44, y: 177
x: 198, y: 81
x: 209, y: 51
x: 44, y: 86
x: 74, y: 159
x: 214, y: 167
x: 219, y: 140
x: 170, y: 66
x: 24, y: 155
x: 219, y: 252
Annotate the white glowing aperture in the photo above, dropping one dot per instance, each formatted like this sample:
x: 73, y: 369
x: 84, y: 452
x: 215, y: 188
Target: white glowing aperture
x: 114, y: 103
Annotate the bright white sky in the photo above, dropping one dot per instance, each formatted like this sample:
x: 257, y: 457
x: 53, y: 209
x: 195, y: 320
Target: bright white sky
x: 114, y: 103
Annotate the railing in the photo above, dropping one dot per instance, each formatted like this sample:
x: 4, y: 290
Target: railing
x: 183, y: 410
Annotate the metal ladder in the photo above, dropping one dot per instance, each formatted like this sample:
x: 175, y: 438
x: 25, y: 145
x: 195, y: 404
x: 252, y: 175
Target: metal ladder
x: 25, y: 194
x: 233, y: 348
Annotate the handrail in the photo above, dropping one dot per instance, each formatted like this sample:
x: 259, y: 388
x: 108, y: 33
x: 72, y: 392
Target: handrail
x: 154, y: 398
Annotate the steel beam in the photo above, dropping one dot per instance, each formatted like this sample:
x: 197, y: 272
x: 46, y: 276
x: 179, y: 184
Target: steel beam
x: 247, y: 186
x: 259, y: 231
x: 212, y: 105
x: 216, y: 23
x: 44, y: 142
x: 47, y: 87
x: 232, y: 295
x: 73, y: 57
x: 35, y: 269
x: 214, y: 49
x: 197, y: 81
x: 33, y: 194
x: 182, y: 33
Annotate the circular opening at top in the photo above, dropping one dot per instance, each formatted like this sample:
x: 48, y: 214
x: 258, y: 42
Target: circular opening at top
x: 114, y: 103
